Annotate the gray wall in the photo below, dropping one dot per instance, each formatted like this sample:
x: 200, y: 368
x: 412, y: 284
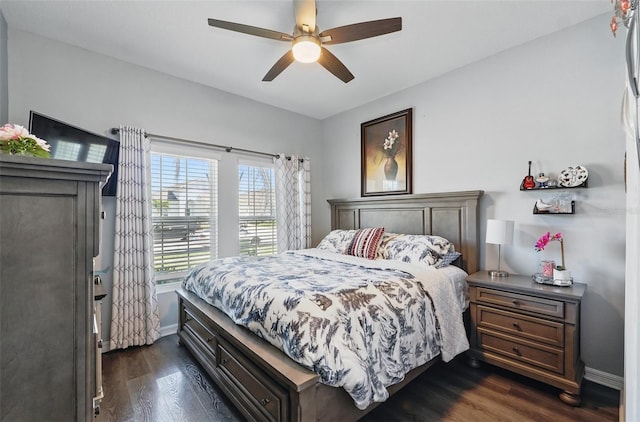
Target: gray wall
x: 555, y: 101
x: 96, y: 93
x: 4, y: 76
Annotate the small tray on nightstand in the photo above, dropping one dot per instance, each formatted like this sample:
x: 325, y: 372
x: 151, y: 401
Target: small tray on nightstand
x: 544, y: 279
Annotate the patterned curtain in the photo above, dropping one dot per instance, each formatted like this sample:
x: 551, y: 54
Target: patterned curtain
x: 293, y: 202
x: 134, y: 318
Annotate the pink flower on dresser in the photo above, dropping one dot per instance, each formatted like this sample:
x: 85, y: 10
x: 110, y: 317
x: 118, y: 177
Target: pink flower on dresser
x: 546, y: 238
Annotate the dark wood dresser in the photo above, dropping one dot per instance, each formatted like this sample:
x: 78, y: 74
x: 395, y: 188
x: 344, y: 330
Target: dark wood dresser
x: 529, y: 328
x: 49, y: 235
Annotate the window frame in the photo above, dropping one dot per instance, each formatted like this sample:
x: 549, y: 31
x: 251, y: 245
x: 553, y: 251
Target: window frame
x: 178, y: 149
x: 265, y: 163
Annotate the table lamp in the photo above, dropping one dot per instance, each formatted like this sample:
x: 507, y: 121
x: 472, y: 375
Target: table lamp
x: 499, y: 232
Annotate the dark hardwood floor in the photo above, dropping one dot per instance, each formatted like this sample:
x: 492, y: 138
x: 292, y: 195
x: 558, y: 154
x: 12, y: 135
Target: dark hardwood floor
x: 163, y: 382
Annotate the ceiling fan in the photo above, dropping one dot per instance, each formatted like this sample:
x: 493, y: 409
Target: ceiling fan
x: 308, y: 42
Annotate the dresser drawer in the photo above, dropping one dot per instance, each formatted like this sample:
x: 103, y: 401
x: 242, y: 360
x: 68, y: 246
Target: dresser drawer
x: 192, y: 322
x: 266, y: 400
x: 546, y: 357
x: 521, y: 302
x: 518, y: 325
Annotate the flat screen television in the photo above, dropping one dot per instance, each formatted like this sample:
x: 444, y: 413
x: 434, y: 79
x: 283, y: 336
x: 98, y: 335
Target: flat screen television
x: 71, y: 143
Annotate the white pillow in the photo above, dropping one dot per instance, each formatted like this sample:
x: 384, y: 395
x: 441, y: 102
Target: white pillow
x: 415, y: 248
x: 337, y: 241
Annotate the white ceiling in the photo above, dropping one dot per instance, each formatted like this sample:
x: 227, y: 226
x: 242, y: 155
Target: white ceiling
x: 173, y: 37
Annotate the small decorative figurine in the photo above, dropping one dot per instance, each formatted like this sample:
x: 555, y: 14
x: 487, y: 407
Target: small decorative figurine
x: 528, y: 182
x: 542, y: 180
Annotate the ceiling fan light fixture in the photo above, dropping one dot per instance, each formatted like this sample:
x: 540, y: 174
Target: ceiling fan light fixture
x: 306, y: 48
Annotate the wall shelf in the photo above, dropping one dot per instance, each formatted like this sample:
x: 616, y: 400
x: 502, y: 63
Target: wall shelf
x: 537, y: 211
x: 583, y: 185
x: 561, y: 201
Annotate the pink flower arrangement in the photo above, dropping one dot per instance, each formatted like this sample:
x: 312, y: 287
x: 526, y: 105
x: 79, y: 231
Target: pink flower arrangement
x: 544, y: 241
x: 15, y: 139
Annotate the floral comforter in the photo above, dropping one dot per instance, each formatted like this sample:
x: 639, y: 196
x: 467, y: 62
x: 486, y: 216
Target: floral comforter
x: 359, y: 324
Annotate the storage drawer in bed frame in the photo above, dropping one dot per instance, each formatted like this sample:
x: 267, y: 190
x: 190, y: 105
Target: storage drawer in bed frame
x: 256, y: 395
x: 266, y: 400
x: 261, y: 393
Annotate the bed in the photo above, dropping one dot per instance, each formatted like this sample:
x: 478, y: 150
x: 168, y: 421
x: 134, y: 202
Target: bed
x: 266, y: 384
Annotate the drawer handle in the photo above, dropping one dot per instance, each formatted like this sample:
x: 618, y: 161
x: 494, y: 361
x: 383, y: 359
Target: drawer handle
x: 224, y: 361
x: 209, y: 339
x: 516, y: 302
x: 517, y: 326
x: 265, y: 402
x: 515, y: 349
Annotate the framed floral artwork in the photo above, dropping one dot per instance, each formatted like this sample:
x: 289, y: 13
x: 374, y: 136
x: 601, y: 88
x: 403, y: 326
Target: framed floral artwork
x: 386, y: 154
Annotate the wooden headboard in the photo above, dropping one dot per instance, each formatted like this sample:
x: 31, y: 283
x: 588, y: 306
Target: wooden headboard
x: 452, y: 215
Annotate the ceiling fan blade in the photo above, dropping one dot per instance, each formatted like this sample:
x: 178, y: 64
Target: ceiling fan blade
x: 305, y: 14
x: 251, y: 30
x: 280, y: 65
x: 335, y: 66
x: 360, y: 31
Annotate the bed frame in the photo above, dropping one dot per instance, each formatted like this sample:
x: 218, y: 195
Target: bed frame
x: 264, y: 383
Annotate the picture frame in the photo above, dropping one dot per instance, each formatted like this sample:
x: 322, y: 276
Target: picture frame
x: 386, y: 163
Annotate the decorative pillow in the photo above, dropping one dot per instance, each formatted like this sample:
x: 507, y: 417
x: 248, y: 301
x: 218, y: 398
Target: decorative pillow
x: 448, y: 258
x: 337, y: 241
x: 415, y: 248
x: 387, y: 238
x: 365, y: 243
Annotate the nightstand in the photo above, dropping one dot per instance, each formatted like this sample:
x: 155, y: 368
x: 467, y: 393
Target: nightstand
x: 529, y: 328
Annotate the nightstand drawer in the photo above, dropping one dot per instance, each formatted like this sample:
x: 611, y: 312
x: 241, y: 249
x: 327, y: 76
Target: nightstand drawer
x: 545, y: 357
x: 520, y: 302
x: 518, y: 325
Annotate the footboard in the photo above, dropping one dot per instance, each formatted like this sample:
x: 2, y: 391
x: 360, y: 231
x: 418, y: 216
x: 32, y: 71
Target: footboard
x: 261, y: 380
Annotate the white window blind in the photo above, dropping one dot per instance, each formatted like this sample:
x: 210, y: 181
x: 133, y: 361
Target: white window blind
x: 257, y: 209
x: 184, y: 212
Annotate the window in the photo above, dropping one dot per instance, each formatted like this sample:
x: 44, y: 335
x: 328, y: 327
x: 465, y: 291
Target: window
x: 257, y: 209
x: 184, y: 213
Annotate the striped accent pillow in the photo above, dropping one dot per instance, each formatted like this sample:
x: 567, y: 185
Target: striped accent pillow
x: 365, y: 243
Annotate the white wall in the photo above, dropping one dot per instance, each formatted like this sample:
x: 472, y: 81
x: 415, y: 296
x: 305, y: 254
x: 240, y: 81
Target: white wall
x: 97, y: 93
x: 4, y: 78
x: 555, y: 101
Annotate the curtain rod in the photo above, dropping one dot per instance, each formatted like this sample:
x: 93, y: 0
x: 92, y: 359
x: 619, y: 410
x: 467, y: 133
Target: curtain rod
x: 116, y: 130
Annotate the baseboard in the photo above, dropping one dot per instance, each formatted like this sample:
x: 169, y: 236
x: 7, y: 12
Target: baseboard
x: 604, y: 378
x: 164, y: 331
x: 168, y: 330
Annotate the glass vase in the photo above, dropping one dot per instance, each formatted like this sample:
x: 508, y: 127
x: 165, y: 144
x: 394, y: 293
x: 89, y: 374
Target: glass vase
x: 546, y: 267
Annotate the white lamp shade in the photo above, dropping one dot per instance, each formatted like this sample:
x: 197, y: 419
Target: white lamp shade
x: 500, y: 232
